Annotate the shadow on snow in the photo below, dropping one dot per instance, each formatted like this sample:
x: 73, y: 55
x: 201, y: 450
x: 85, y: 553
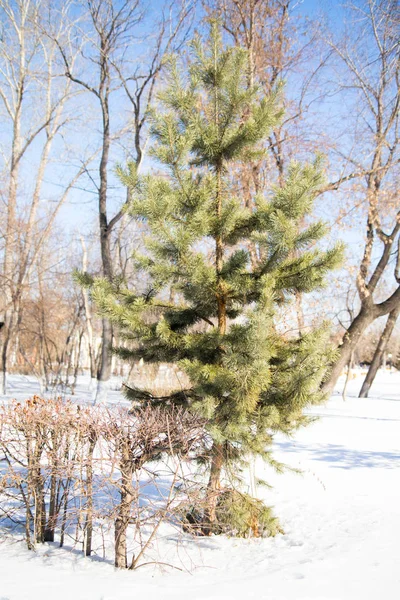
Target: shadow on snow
x: 344, y: 458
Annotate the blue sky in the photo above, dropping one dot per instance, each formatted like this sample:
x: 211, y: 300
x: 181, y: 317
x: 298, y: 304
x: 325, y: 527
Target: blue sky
x: 80, y: 213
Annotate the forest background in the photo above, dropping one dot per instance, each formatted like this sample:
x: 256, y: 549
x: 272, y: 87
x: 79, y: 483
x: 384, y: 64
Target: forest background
x: 76, y: 84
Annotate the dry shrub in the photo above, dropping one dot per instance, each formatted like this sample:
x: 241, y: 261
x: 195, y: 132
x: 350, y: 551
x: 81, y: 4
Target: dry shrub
x: 73, y: 471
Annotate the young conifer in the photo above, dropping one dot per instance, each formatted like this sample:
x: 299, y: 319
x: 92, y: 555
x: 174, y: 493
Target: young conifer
x: 247, y: 378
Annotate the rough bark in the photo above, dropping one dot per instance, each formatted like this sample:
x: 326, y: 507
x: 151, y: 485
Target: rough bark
x: 213, y: 487
x: 123, y: 514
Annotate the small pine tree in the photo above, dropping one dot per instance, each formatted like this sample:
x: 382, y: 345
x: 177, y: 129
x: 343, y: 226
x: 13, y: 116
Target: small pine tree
x: 247, y: 379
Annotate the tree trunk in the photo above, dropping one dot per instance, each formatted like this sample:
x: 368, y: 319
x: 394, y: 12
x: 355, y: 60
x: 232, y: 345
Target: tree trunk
x: 213, y: 488
x: 379, y: 352
x: 9, y: 247
x: 299, y: 312
x: 11, y: 321
x: 104, y: 372
x: 77, y: 361
x: 121, y: 526
x: 364, y: 318
x: 52, y: 520
x: 40, y: 507
x: 89, y: 495
x: 123, y: 515
x: 349, y: 368
x: 4, y: 356
x: 65, y: 500
x: 88, y: 315
x: 54, y: 489
x: 217, y: 454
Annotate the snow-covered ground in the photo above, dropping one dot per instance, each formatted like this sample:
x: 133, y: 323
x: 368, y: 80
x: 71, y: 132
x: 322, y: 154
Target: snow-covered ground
x: 341, y: 519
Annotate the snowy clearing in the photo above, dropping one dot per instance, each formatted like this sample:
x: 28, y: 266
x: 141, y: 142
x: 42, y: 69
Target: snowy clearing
x: 341, y: 519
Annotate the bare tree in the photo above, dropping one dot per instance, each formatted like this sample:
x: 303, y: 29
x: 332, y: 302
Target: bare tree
x: 88, y: 316
x: 51, y: 322
x: 111, y: 29
x: 371, y: 57
x: 34, y: 103
x: 68, y: 467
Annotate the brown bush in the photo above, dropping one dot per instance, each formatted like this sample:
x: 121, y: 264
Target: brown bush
x: 72, y: 470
